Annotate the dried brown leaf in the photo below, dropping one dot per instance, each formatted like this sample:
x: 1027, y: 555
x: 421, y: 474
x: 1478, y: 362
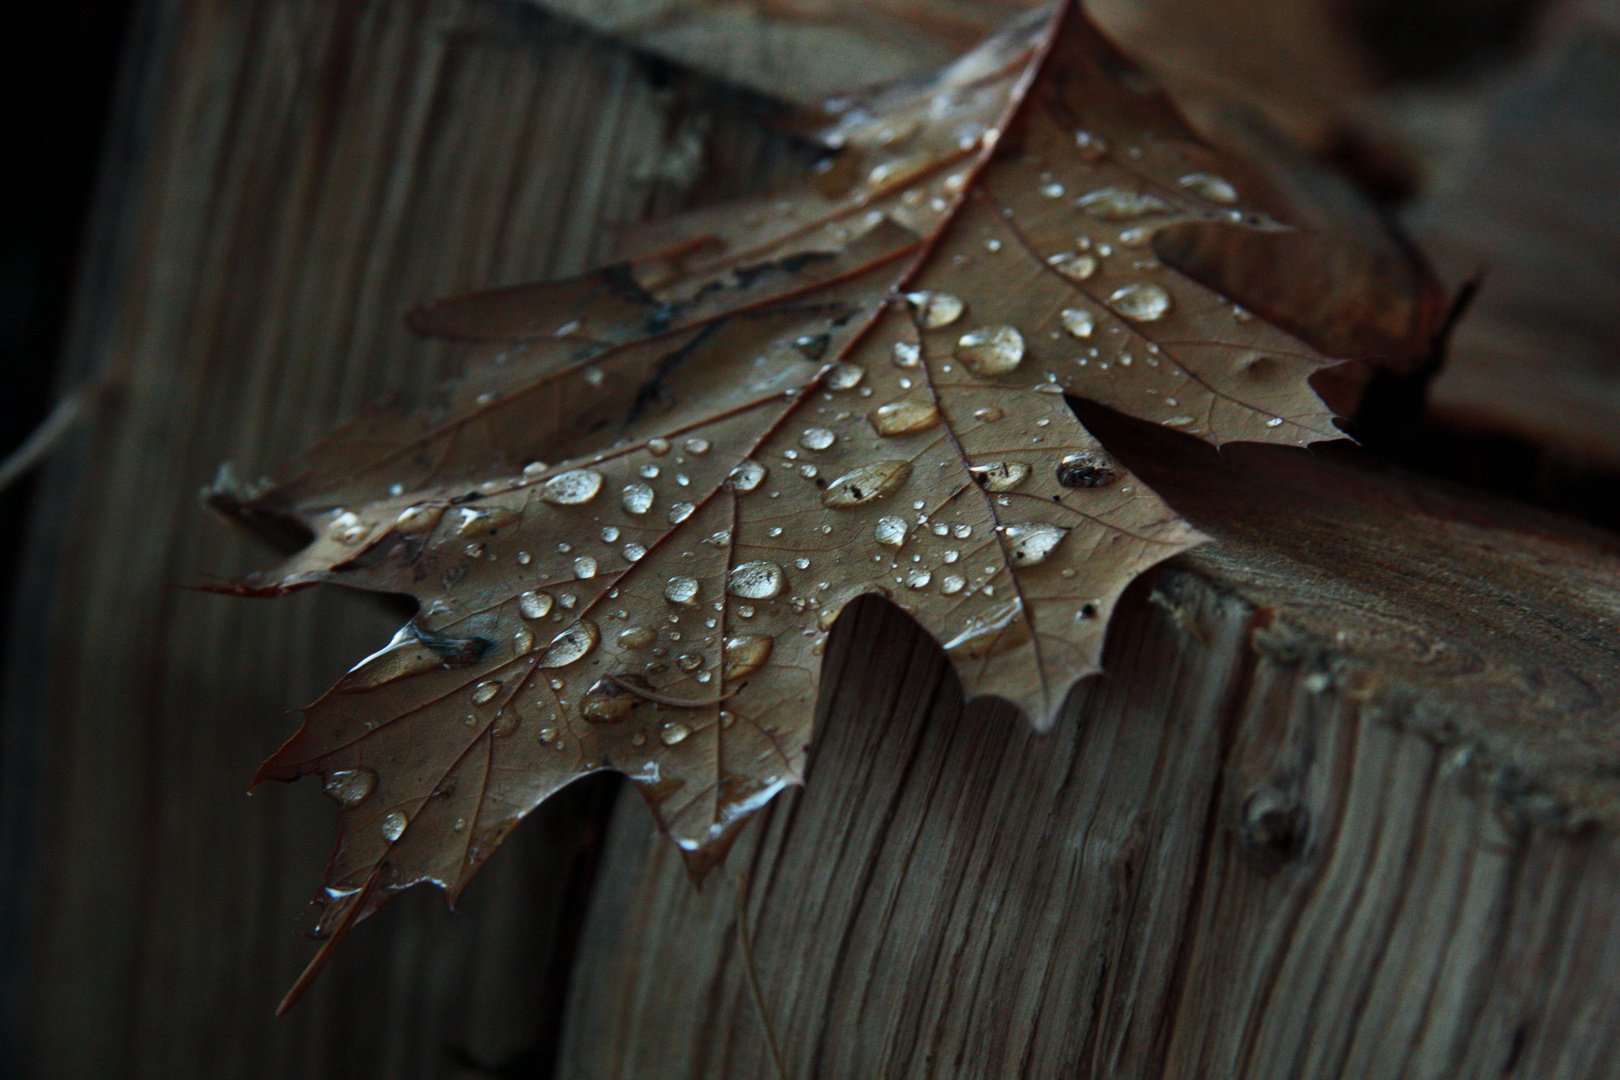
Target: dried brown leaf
x: 856, y: 388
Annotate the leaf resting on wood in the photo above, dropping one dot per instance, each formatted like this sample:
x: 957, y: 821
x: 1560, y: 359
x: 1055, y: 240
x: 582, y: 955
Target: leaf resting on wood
x: 632, y: 523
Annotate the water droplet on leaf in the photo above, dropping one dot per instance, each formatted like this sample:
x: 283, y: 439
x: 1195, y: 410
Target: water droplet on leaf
x: 1078, y: 322
x: 817, y: 438
x: 638, y: 498
x: 572, y: 488
x: 573, y: 644
x: 1210, y: 186
x: 865, y: 484
x: 681, y: 590
x: 350, y: 787
x: 418, y: 519
x: 637, y: 637
x: 1000, y: 475
x: 991, y: 350
x: 1142, y: 302
x: 904, y: 417
x: 755, y: 581
x: 935, y: 309
x: 1073, y: 265
x: 844, y: 376
x: 1117, y: 204
x: 1030, y: 544
x: 746, y: 476
x: 746, y: 654
x: 1087, y: 469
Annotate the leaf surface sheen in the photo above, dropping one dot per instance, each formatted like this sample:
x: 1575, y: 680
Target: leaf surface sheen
x: 855, y: 388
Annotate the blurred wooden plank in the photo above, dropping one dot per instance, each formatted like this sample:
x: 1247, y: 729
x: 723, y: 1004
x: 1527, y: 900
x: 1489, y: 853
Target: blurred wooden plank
x: 1321, y: 817
x: 1536, y: 208
x: 284, y: 179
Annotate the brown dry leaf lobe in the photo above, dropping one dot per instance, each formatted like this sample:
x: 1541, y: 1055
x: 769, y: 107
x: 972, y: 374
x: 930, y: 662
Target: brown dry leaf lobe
x: 631, y: 525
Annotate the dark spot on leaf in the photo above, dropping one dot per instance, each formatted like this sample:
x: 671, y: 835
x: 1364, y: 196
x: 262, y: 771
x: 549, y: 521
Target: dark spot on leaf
x: 455, y: 652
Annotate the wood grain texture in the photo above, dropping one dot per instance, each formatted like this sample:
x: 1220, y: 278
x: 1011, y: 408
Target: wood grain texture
x: 284, y: 180
x: 1252, y: 849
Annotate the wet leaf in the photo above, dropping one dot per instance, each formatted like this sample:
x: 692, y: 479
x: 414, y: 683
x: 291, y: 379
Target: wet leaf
x: 632, y: 523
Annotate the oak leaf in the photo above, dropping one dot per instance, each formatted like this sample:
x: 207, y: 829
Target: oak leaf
x: 632, y: 522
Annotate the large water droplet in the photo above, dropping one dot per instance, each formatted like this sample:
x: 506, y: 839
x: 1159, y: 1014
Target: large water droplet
x: 574, y: 643
x: 638, y: 498
x: 890, y: 531
x: 471, y: 522
x: 746, y: 654
x: 680, y: 512
x: 606, y: 702
x: 1078, y: 322
x: 1117, y: 204
x: 1030, y: 544
x: 1072, y: 264
x: 904, y: 417
x: 393, y: 825
x: 935, y: 309
x: 572, y: 487
x: 485, y: 692
x: 674, y: 732
x: 845, y: 376
x: 1143, y: 302
x: 817, y: 438
x: 759, y: 580
x: 418, y: 519
x: 1000, y: 475
x: 681, y: 590
x: 746, y: 476
x: 869, y: 482
x: 584, y: 567
x: 402, y: 656
x: 534, y: 605
x: 350, y: 787
x: 637, y: 637
x: 906, y: 355
x: 994, y: 633
x: 1210, y: 186
x: 347, y: 528
x: 1087, y: 469
x: 991, y: 350
x: 918, y: 578
x: 951, y: 584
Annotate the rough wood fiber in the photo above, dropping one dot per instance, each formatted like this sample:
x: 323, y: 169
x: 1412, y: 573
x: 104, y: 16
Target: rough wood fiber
x: 285, y: 178
x: 1251, y: 850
